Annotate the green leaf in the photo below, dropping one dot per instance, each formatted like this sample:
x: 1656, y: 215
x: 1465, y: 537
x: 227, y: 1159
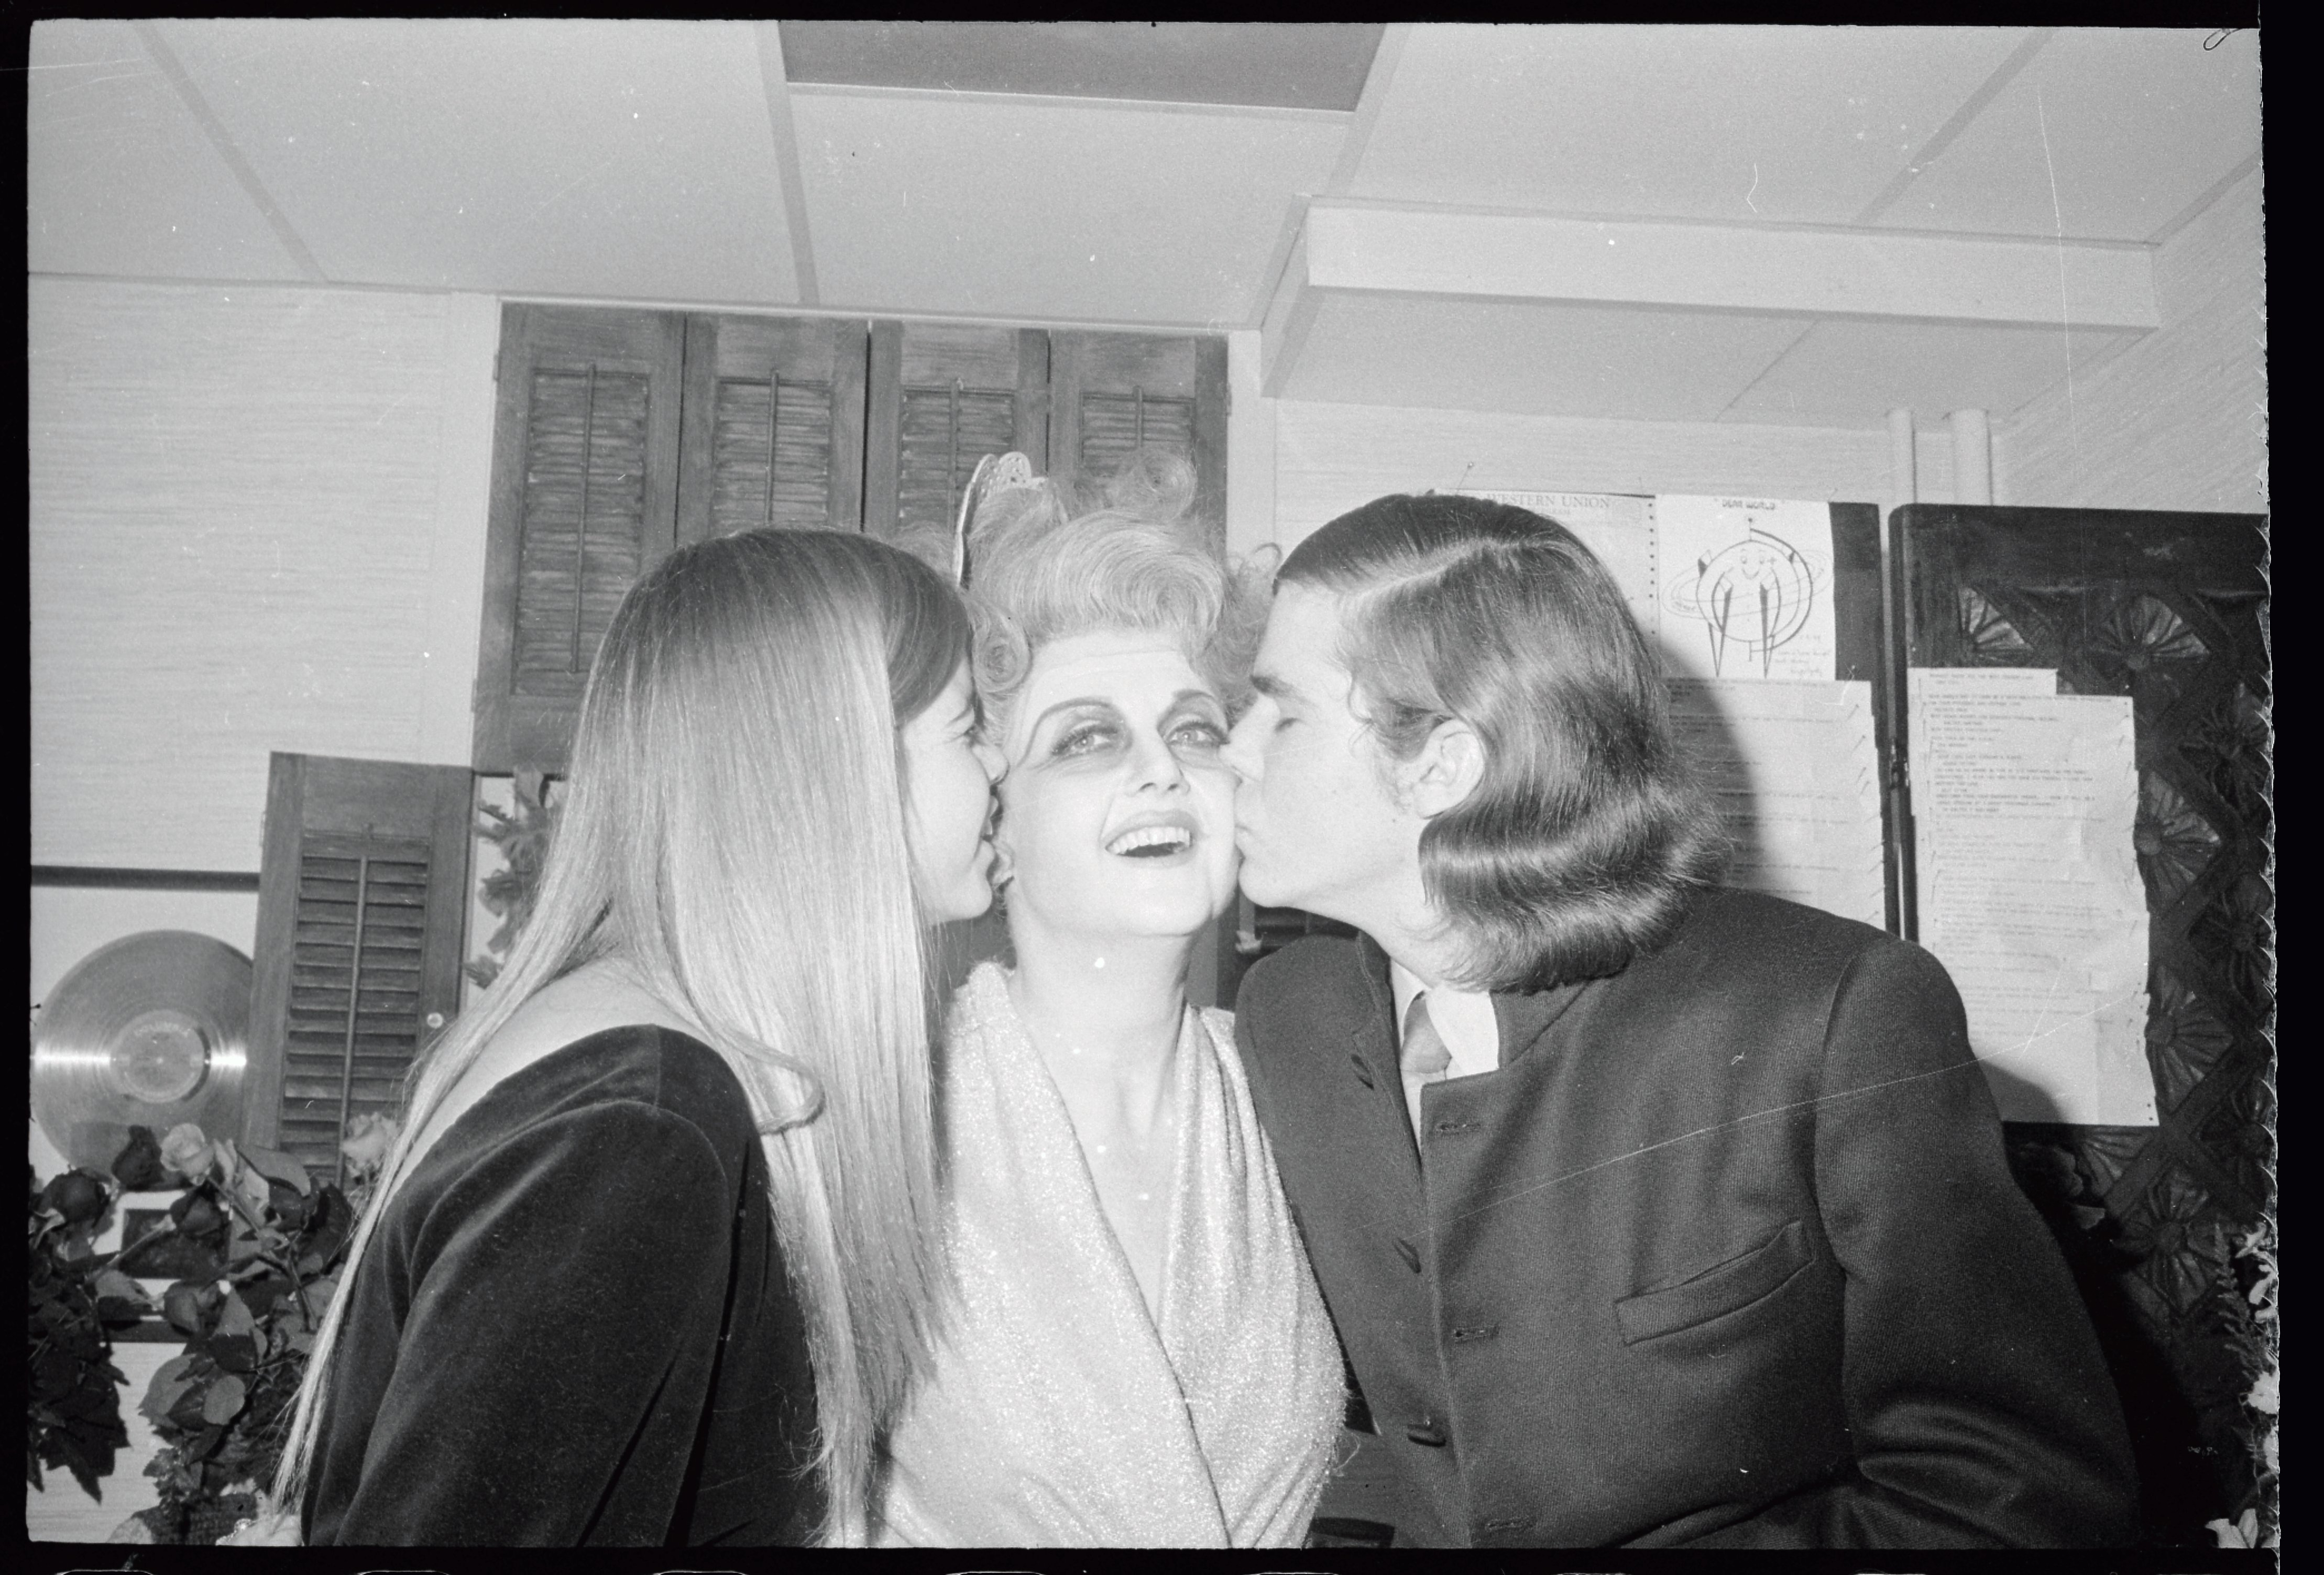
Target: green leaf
x: 254, y: 1189
x: 112, y: 1282
x: 184, y: 1305
x: 279, y: 1166
x: 224, y: 1401
x: 234, y: 1317
x: 170, y: 1382
x: 320, y: 1292
x: 237, y: 1353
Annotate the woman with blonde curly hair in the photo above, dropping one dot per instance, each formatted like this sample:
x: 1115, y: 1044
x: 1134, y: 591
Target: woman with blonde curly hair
x: 1140, y: 1356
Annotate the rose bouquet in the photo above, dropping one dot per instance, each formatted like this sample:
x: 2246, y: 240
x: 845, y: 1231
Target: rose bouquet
x: 72, y: 1410
x: 274, y: 1241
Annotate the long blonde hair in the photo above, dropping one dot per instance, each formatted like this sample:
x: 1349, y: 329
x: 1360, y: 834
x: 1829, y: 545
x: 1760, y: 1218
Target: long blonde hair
x: 733, y: 830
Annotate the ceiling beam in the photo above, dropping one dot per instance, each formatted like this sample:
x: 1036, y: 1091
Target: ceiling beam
x: 1290, y: 315
x: 1289, y: 310
x: 1377, y: 80
x: 776, y: 80
x: 285, y: 234
x: 1810, y: 273
x: 1958, y: 122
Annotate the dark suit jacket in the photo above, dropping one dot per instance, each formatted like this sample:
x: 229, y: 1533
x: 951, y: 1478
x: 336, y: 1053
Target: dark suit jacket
x: 1726, y: 1253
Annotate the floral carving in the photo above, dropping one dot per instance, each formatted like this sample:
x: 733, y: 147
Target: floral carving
x: 2230, y: 747
x: 2174, y: 844
x: 2184, y: 1039
x: 2142, y: 634
x: 2238, y: 1133
x: 2175, y: 1271
x: 2107, y: 1151
x: 1992, y: 640
x: 2235, y: 933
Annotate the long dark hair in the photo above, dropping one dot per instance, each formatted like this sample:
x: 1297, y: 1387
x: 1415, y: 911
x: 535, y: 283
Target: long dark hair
x: 733, y: 831
x: 1582, y: 843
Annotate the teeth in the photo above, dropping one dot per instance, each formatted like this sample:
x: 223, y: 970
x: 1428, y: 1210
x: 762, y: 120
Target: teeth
x: 1168, y: 837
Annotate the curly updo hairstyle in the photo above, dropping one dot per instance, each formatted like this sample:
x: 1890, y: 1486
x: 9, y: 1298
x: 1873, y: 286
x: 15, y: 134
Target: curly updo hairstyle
x: 1141, y: 561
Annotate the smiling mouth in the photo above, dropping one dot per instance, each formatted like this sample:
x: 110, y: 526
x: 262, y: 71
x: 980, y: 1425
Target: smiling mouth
x: 1153, y: 842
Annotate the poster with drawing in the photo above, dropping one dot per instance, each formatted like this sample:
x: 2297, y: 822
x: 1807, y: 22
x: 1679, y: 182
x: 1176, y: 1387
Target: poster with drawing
x: 1746, y: 587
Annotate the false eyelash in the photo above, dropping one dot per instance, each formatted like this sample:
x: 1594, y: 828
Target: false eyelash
x: 1072, y: 741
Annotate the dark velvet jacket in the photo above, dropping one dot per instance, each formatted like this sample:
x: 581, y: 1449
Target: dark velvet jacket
x: 573, y: 1327
x: 1726, y: 1253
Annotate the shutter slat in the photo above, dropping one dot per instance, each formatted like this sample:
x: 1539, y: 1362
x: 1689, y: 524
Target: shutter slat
x: 785, y: 429
x: 356, y: 988
x: 944, y: 432
x: 362, y: 897
x: 1114, y: 427
x: 581, y: 542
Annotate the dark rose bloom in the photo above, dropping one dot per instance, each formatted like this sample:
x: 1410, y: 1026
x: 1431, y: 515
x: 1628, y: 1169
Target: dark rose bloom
x: 78, y: 1195
x: 138, y: 1167
x: 199, y: 1216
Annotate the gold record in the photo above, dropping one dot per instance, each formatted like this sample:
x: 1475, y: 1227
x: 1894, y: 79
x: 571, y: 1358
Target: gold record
x: 148, y: 1031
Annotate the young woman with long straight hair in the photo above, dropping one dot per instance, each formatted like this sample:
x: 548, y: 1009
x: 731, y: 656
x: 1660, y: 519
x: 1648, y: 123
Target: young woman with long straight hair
x: 654, y: 1260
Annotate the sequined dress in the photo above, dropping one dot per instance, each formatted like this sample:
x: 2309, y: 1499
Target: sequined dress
x: 1060, y: 1414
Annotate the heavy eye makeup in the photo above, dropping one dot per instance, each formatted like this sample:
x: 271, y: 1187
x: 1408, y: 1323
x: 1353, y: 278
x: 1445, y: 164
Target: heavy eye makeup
x: 1195, y: 727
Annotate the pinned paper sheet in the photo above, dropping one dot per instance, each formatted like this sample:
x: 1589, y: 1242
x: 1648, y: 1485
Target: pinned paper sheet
x: 1797, y: 776
x: 2025, y: 802
x: 1746, y: 586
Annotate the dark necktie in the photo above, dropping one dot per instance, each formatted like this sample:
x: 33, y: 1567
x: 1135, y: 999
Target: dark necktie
x: 1424, y: 1055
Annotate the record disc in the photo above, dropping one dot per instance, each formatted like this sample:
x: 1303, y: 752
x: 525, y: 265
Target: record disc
x: 149, y: 1031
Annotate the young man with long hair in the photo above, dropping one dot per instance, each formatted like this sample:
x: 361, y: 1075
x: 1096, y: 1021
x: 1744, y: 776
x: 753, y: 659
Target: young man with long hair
x: 1649, y: 1212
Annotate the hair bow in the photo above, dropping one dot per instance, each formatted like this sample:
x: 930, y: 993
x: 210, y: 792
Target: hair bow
x: 986, y: 497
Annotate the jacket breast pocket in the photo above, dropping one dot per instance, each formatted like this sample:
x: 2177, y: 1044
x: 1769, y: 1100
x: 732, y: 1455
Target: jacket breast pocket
x: 1719, y: 1290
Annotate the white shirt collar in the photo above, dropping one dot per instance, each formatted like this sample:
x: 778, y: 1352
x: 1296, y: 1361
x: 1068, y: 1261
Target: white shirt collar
x: 1463, y: 1019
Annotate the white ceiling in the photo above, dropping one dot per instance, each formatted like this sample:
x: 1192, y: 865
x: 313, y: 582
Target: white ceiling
x: 674, y: 163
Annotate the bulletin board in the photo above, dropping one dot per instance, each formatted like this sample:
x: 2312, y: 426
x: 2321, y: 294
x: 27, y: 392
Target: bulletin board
x: 2169, y: 612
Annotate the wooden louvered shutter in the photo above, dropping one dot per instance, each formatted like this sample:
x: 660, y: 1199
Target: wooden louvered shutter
x: 942, y: 397
x: 774, y: 430
x: 585, y: 498
x: 1110, y: 394
x: 363, y: 892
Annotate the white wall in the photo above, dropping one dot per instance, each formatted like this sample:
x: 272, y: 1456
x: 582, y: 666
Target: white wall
x: 2179, y: 419
x: 257, y: 524
x: 1331, y: 457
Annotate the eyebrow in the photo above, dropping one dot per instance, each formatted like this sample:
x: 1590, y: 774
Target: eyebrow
x: 1275, y: 689
x: 1098, y: 703
x: 1094, y: 701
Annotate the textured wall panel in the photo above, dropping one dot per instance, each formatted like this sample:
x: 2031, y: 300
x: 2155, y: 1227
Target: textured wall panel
x: 234, y: 519
x: 2179, y: 419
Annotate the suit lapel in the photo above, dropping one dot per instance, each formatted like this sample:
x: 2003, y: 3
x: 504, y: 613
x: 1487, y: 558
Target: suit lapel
x: 1373, y: 1044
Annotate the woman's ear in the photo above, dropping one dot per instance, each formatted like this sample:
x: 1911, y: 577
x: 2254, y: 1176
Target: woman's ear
x: 1445, y: 771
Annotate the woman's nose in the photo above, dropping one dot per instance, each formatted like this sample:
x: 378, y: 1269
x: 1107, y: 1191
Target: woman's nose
x: 1159, y: 765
